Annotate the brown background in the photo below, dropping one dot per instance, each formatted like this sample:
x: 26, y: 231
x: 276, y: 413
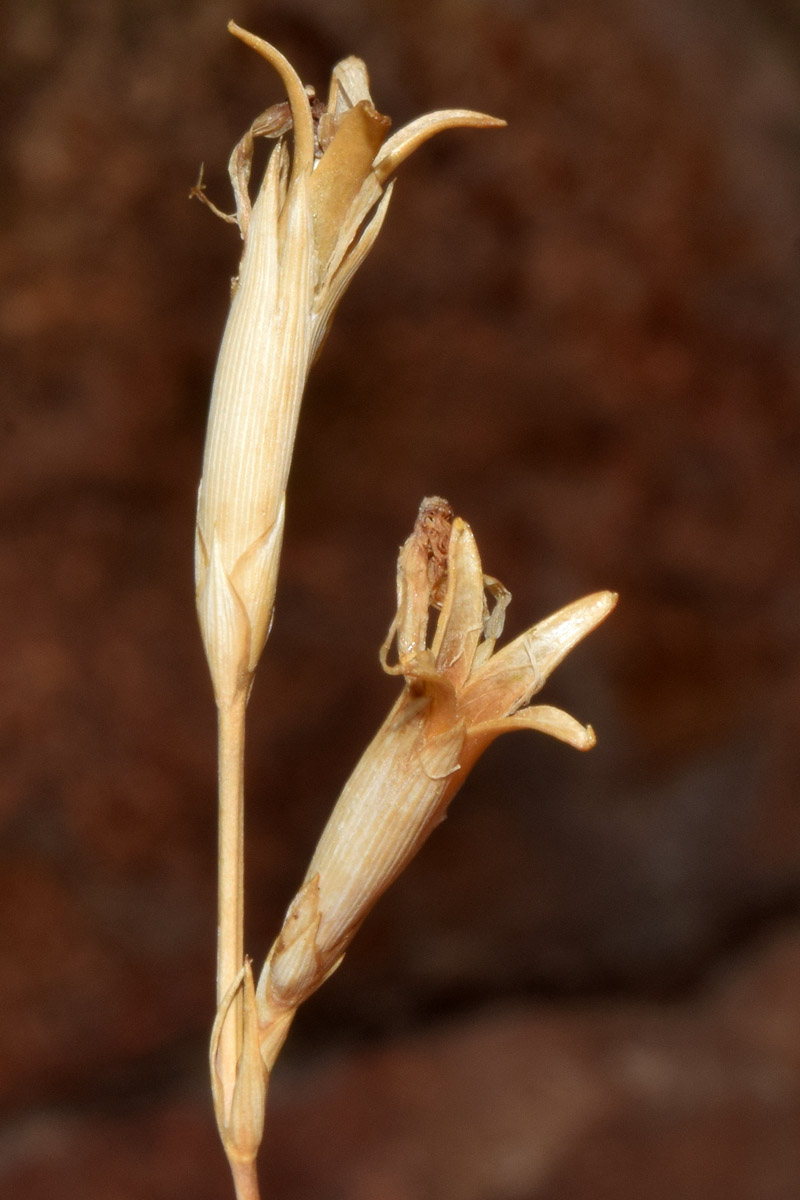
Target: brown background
x: 584, y: 332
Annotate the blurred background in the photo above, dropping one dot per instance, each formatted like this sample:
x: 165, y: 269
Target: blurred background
x: 583, y: 331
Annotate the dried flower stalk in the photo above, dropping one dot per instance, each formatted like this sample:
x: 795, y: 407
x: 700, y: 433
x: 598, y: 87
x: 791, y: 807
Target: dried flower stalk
x: 316, y: 216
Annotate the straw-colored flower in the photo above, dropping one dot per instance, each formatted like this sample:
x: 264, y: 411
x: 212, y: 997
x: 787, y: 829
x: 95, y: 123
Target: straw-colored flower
x: 315, y: 219
x: 459, y: 695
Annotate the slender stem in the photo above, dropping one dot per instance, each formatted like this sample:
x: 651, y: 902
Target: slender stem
x: 245, y: 1180
x: 230, y: 931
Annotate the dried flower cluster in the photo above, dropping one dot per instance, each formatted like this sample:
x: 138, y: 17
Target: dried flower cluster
x: 317, y: 214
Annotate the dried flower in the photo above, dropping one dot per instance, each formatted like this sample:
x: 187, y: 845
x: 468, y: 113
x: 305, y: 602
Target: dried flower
x: 315, y: 219
x: 459, y: 695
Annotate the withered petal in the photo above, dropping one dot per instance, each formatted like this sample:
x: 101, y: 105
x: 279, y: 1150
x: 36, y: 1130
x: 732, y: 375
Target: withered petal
x: 515, y: 673
x: 296, y: 94
x: 541, y: 717
x: 348, y: 254
x: 349, y: 85
x: 411, y: 136
x: 341, y: 172
x: 460, y: 623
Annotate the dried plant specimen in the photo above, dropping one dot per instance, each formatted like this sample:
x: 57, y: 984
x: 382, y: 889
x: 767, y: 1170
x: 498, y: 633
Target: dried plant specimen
x: 317, y: 213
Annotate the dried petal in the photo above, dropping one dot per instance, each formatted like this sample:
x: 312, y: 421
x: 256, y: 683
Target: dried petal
x: 460, y: 623
x: 422, y: 581
x: 347, y: 256
x: 338, y: 179
x: 349, y: 86
x: 303, y: 159
x: 541, y: 717
x: 515, y: 673
x: 408, y: 139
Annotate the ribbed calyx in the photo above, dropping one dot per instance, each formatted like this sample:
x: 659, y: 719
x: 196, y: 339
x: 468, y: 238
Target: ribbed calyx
x: 459, y: 694
x: 315, y: 218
